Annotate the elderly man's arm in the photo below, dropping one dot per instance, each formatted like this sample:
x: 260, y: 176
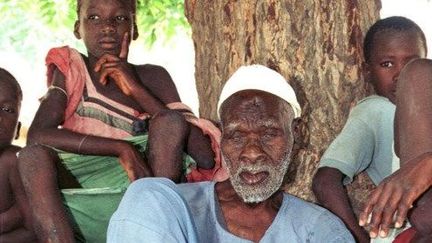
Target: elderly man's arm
x: 331, y: 193
x: 152, y: 210
x: 332, y: 231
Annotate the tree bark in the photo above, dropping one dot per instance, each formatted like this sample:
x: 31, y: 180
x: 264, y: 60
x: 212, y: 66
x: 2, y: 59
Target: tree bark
x: 315, y: 44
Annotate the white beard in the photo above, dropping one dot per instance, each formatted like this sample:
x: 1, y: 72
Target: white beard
x: 262, y: 191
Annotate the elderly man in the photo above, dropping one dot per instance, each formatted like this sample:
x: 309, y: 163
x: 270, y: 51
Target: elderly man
x: 257, y: 108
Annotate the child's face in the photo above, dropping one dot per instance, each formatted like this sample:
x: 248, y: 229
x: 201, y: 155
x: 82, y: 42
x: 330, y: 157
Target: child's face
x: 9, y: 111
x: 102, y: 25
x: 391, y: 51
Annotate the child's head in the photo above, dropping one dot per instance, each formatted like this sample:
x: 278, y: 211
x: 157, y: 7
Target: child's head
x: 390, y: 44
x: 102, y: 24
x: 10, y: 104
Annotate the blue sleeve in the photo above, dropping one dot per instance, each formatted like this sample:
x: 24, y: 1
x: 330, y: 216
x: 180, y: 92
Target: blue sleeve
x: 152, y: 210
x: 331, y: 229
x: 352, y: 150
x: 365, y: 142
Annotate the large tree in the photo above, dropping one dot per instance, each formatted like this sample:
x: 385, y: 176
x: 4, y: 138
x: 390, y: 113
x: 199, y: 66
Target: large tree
x: 315, y: 44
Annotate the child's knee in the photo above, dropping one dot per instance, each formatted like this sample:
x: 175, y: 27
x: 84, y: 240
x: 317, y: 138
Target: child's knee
x: 36, y: 156
x: 420, y: 216
x: 417, y: 72
x: 419, y: 65
x: 169, y: 120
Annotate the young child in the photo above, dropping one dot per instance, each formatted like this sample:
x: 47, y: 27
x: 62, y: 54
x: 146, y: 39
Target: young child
x: 15, y: 223
x: 366, y: 141
x: 93, y: 103
x: 408, y: 190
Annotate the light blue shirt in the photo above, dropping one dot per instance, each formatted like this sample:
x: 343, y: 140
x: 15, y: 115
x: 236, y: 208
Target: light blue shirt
x: 365, y: 142
x: 157, y: 210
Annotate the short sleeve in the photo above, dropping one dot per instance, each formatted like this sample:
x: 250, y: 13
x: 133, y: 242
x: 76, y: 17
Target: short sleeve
x: 352, y: 150
x: 365, y: 142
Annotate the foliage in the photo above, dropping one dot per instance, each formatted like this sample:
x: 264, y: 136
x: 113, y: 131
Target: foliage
x: 24, y: 22
x: 161, y: 18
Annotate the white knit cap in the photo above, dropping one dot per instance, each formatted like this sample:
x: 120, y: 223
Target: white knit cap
x: 260, y: 78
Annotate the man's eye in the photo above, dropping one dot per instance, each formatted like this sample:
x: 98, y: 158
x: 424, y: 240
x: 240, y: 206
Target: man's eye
x: 268, y: 135
x: 236, y: 137
x: 386, y: 64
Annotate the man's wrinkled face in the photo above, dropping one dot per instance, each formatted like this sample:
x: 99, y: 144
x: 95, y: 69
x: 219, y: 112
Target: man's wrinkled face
x: 256, y: 143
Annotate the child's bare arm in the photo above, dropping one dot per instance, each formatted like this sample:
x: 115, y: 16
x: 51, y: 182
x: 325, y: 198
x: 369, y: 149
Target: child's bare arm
x: 24, y: 233
x: 331, y: 193
x: 11, y: 219
x: 50, y: 116
x: 19, y: 235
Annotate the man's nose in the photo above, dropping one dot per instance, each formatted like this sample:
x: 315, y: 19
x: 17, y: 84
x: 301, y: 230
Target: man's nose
x: 252, y: 152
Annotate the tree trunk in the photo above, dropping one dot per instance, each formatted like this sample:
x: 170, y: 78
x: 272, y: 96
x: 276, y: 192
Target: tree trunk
x: 315, y: 44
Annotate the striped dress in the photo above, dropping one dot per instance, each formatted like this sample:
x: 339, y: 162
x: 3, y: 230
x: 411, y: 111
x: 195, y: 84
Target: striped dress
x: 102, y: 178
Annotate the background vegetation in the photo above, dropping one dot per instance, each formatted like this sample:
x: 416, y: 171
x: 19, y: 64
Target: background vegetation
x: 25, y: 21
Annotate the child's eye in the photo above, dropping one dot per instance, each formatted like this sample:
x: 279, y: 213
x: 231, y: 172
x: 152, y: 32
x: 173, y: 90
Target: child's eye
x: 7, y: 109
x: 121, y: 18
x: 93, y: 17
x: 386, y: 64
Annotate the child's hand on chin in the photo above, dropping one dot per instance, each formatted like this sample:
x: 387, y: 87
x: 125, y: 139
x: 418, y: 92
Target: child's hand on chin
x: 117, y: 68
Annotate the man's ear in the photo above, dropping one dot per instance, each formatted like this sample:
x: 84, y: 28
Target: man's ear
x: 76, y: 29
x: 297, y: 126
x: 135, y: 33
x: 17, y: 131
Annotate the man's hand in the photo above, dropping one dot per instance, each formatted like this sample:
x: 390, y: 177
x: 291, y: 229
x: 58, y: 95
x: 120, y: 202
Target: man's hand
x: 395, y: 195
x: 117, y: 68
x: 133, y: 163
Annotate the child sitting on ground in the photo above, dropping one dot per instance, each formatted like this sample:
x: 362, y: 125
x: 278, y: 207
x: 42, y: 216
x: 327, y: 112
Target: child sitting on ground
x: 15, y: 223
x: 93, y: 104
x: 366, y: 141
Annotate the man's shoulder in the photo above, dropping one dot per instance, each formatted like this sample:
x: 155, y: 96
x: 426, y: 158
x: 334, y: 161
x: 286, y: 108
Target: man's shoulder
x: 197, y: 191
x: 300, y: 206
x: 307, y: 220
x: 307, y: 213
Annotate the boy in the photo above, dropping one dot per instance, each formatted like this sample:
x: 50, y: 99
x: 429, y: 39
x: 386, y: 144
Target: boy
x: 408, y: 190
x: 15, y: 224
x: 366, y: 141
